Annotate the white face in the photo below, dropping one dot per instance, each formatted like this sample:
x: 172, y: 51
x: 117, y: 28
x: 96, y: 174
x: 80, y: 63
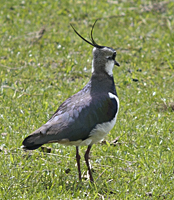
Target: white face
x: 103, y: 58
x: 109, y: 67
x: 94, y: 49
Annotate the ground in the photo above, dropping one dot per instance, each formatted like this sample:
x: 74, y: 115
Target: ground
x: 43, y: 62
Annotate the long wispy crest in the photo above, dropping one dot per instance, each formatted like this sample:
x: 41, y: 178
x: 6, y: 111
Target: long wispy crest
x: 93, y: 43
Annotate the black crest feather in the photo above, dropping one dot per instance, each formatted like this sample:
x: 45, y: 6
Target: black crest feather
x: 93, y: 43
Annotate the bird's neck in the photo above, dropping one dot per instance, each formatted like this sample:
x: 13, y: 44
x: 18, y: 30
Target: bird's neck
x: 103, y: 82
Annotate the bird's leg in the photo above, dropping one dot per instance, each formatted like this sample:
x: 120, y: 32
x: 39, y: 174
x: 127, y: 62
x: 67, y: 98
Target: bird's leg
x: 87, y: 163
x: 78, y: 162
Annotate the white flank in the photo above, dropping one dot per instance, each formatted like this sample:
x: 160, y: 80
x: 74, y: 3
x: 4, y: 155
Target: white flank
x: 113, y: 96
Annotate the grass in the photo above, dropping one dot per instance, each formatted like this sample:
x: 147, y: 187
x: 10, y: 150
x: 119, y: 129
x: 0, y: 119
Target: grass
x: 43, y: 62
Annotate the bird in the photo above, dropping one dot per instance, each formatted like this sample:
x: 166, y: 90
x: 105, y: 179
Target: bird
x: 88, y: 116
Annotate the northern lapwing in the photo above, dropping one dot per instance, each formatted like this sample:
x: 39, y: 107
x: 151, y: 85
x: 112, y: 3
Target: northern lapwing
x: 86, y: 117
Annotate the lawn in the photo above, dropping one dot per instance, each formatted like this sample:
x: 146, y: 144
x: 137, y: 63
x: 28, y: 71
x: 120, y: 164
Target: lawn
x: 43, y: 62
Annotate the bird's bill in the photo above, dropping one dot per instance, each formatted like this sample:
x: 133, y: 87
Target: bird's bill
x: 116, y: 63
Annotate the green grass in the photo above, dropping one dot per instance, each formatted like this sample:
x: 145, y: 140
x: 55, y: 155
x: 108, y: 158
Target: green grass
x: 38, y: 72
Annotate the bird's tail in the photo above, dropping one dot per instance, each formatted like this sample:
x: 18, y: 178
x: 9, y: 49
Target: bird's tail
x: 36, y: 139
x: 31, y: 143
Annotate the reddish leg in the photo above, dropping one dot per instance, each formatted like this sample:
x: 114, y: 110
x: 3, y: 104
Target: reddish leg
x: 87, y: 163
x: 78, y: 162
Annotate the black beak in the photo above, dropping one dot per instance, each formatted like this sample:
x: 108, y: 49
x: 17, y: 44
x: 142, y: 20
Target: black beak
x: 116, y: 63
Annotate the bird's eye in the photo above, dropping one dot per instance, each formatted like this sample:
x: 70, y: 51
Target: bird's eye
x: 114, y: 55
x: 109, y: 58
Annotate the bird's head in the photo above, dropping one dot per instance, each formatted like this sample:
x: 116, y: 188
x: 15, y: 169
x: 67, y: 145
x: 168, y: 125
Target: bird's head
x: 103, y: 57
